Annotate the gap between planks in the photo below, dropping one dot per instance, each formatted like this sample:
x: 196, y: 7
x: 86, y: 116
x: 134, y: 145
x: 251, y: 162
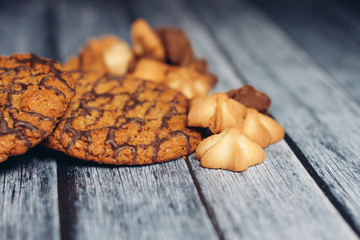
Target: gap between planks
x: 346, y: 215
x: 321, y: 183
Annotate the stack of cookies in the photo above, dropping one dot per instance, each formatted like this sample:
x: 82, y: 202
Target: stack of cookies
x: 116, y: 104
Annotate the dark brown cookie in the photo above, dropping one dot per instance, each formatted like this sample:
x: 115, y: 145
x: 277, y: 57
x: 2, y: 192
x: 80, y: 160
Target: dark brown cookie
x: 251, y: 98
x: 34, y: 93
x: 178, y: 49
x: 118, y: 120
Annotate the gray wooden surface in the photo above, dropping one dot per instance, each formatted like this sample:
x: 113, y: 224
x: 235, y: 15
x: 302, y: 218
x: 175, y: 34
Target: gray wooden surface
x: 333, y: 40
x: 307, y: 188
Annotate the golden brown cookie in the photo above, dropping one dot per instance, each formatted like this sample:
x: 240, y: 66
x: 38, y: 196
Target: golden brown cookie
x: 254, y: 129
x: 34, y: 93
x: 123, y: 120
x: 146, y: 43
x: 216, y: 112
x: 106, y: 54
x: 230, y: 149
x: 150, y: 69
x: 276, y: 131
x: 189, y: 81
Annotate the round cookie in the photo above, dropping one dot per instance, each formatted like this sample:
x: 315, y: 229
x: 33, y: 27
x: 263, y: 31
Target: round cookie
x: 34, y: 93
x: 123, y: 120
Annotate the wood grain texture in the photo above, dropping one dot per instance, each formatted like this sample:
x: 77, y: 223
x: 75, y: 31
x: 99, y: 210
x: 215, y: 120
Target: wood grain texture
x: 321, y: 119
x: 148, y: 202
x: 28, y: 200
x: 275, y: 200
x: 328, y: 31
x: 28, y: 183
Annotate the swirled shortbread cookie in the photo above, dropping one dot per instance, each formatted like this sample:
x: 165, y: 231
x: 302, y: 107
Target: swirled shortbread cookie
x: 122, y: 120
x: 34, y: 93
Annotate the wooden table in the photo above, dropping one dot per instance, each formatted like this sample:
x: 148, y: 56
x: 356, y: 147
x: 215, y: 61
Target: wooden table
x: 306, y: 56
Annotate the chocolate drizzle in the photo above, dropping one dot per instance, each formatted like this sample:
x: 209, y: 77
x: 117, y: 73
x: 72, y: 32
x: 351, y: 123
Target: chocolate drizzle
x: 133, y: 93
x: 34, y: 60
x: 14, y: 81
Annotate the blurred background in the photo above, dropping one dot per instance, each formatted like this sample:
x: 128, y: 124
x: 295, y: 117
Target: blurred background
x: 317, y: 25
x: 326, y: 30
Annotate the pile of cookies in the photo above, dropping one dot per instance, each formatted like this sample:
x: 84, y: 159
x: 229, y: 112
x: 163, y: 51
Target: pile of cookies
x: 241, y: 132
x: 162, y: 55
x: 116, y: 104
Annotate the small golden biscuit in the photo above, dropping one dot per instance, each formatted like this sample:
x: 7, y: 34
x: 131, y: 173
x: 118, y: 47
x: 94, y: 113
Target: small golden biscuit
x: 262, y: 129
x: 254, y: 129
x: 117, y: 57
x: 189, y: 81
x: 217, y: 112
x: 184, y: 79
x: 275, y: 130
x: 202, y: 111
x: 106, y: 54
x: 230, y: 150
x: 146, y: 42
x: 151, y: 70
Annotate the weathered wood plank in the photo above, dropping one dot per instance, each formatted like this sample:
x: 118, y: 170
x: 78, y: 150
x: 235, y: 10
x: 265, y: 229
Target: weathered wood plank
x: 28, y: 192
x: 29, y: 207
x: 275, y: 200
x: 328, y: 31
x: 148, y: 202
x: 321, y: 120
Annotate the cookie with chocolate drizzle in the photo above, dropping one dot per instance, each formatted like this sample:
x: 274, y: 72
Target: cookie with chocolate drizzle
x: 123, y: 120
x: 34, y: 93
